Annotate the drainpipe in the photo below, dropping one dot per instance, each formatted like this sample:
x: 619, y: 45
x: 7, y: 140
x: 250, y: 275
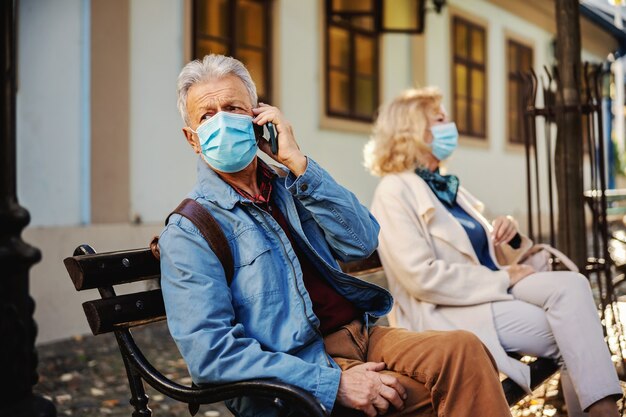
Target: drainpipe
x: 607, y: 125
x: 618, y: 74
x: 618, y: 104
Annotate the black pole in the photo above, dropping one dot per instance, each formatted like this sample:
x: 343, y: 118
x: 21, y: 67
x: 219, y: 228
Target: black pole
x: 18, y: 357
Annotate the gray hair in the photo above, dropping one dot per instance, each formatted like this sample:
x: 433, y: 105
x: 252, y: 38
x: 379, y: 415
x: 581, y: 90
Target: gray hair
x: 211, y: 67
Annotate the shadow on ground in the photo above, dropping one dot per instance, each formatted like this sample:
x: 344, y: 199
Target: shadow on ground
x: 85, y: 376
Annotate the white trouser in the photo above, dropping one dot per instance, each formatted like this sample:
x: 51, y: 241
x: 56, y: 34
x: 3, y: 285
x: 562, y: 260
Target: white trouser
x: 553, y: 315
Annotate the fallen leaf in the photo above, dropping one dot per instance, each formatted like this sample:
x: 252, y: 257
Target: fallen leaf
x: 67, y: 377
x: 110, y: 403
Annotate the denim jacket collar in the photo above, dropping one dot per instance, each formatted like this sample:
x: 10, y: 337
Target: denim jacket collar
x: 215, y: 189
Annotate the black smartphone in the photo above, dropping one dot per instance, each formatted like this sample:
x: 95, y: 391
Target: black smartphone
x: 259, y: 132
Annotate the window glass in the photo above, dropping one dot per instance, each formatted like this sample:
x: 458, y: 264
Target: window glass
x: 339, y: 92
x: 239, y: 28
x: 526, y: 59
x: 460, y: 73
x: 206, y: 47
x: 339, y: 48
x: 460, y: 108
x: 352, y: 5
x: 513, y: 108
x: 511, y: 57
x: 351, y: 66
x: 250, y: 24
x: 478, y: 45
x: 478, y: 88
x: 364, y: 55
x: 460, y: 40
x: 469, y: 77
x: 210, y: 17
x: 519, y: 60
x: 253, y: 60
x: 364, y: 96
x: 477, y: 114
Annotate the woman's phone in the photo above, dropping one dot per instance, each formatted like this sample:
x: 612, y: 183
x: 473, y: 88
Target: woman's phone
x: 259, y: 131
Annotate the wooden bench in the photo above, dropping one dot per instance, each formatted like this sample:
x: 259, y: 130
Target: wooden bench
x: 119, y: 313
x: 540, y: 369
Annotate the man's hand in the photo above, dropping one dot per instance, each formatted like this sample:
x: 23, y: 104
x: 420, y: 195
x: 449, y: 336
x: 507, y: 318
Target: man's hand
x: 519, y: 272
x: 364, y: 388
x: 504, y: 229
x: 289, y: 153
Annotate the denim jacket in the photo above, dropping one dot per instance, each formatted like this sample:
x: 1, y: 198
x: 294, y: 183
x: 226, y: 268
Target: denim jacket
x: 263, y: 325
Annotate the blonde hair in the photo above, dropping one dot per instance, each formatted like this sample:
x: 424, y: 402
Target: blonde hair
x: 397, y: 142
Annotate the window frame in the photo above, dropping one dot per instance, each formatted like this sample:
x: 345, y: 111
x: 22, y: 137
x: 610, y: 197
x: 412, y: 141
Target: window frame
x: 519, y: 44
x: 373, y: 35
x: 232, y: 43
x: 472, y: 24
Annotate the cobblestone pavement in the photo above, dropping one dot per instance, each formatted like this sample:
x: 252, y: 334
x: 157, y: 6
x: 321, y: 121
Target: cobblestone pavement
x: 84, y: 376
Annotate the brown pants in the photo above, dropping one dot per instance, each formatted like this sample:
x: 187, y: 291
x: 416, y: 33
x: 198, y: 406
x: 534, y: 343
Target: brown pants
x: 445, y: 373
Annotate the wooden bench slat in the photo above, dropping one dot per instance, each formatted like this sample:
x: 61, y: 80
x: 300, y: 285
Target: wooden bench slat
x: 363, y: 266
x: 124, y: 311
x: 112, y: 268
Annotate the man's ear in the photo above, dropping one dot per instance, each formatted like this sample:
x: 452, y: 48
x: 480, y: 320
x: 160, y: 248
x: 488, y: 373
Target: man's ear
x: 191, y: 139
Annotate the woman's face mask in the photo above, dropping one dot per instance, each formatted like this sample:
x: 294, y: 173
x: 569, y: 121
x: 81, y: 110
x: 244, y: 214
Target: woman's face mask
x: 445, y: 140
x: 227, y: 141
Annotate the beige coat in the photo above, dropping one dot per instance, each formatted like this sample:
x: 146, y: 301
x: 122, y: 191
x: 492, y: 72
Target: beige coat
x: 432, y: 269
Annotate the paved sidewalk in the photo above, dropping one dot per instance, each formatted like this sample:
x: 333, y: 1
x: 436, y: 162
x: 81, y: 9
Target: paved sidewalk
x: 85, y: 376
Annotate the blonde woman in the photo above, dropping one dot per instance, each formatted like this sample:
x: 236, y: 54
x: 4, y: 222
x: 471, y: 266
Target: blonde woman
x: 449, y: 268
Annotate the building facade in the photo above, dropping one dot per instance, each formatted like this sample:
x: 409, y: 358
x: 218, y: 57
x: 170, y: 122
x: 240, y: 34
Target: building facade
x: 101, y: 156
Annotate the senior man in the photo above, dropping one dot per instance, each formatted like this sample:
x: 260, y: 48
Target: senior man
x: 290, y: 313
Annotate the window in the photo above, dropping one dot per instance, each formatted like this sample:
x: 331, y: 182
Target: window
x: 469, y: 56
x: 239, y: 28
x: 519, y: 59
x: 351, y: 45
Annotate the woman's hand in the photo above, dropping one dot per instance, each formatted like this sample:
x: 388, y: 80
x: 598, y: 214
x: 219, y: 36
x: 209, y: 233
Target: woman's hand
x: 504, y: 229
x: 289, y: 153
x: 518, y: 273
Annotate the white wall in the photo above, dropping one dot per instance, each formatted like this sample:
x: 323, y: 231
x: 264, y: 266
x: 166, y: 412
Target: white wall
x: 49, y: 111
x: 58, y: 310
x: 162, y: 165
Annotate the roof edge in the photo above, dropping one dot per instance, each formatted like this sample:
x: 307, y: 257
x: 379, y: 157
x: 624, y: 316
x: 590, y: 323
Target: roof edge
x: 608, y: 27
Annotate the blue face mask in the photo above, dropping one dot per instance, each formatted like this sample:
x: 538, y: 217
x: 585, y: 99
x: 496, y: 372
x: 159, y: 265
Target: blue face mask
x: 445, y: 140
x: 227, y: 141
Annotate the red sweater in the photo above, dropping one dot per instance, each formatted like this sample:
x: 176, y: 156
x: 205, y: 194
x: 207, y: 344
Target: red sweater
x: 331, y: 308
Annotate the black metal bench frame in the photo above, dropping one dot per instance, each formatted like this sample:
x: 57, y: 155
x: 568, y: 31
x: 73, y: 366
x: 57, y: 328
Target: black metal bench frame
x: 119, y: 313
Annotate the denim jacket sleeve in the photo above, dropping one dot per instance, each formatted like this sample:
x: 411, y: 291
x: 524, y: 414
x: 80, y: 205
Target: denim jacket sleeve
x: 349, y: 228
x: 201, y: 319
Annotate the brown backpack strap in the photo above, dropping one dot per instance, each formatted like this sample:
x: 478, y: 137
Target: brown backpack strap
x: 210, y: 230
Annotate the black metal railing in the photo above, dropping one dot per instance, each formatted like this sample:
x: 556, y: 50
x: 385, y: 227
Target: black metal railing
x: 542, y: 108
